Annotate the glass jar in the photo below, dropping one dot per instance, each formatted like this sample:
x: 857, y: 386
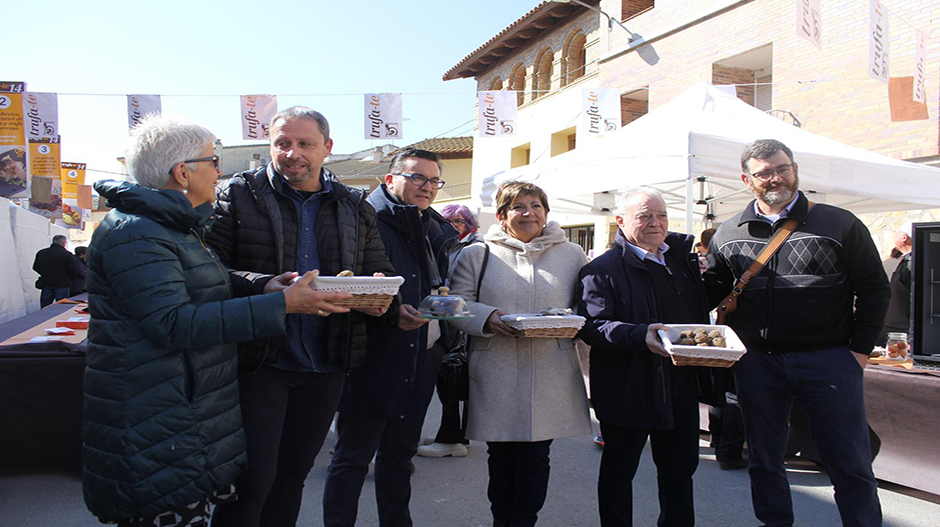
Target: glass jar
x: 897, y: 347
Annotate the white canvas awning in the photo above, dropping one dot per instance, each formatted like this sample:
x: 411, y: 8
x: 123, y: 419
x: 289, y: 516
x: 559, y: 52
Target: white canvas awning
x: 690, y: 149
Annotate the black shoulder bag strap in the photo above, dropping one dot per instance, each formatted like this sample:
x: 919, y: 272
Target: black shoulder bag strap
x: 486, y: 258
x: 730, y: 303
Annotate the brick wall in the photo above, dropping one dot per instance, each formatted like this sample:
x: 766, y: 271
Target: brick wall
x: 722, y: 75
x: 828, y: 90
x: 586, y: 22
x: 631, y: 8
x: 631, y: 110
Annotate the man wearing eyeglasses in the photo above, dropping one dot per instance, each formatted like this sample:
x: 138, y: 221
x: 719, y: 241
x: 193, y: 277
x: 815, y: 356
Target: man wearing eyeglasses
x: 384, y: 401
x: 289, y: 217
x: 809, y: 320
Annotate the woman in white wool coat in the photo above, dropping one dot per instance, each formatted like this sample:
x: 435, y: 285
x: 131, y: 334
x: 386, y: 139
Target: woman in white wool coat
x: 524, y: 392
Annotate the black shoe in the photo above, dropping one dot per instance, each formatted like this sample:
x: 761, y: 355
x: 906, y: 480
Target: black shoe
x: 733, y: 465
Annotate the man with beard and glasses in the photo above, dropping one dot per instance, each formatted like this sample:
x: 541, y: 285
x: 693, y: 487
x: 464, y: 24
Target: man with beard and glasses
x: 809, y: 320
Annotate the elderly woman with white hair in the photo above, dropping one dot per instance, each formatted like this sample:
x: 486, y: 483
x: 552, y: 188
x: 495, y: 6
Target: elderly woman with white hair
x: 162, y: 426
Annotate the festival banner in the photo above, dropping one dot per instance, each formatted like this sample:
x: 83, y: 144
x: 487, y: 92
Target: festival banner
x: 45, y: 173
x: 42, y: 115
x: 84, y: 200
x: 257, y: 112
x: 14, y: 178
x: 878, y: 58
x: 140, y: 106
x: 383, y: 116
x: 920, y: 66
x: 808, y: 21
x: 901, y: 101
x: 600, y: 110
x: 497, y: 113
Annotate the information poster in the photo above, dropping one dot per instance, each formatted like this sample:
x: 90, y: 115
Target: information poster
x: 45, y: 172
x: 14, y: 177
x: 73, y: 178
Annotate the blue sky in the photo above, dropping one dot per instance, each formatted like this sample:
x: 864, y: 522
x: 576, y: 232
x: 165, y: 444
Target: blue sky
x: 201, y: 55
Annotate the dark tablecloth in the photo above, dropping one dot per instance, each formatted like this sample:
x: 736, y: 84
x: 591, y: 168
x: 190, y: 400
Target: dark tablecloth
x: 40, y: 398
x: 904, y: 410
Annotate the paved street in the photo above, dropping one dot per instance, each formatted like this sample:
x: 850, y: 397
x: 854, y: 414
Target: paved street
x: 452, y: 492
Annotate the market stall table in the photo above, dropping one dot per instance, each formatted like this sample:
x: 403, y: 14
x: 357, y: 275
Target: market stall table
x: 41, y: 392
x: 903, y: 407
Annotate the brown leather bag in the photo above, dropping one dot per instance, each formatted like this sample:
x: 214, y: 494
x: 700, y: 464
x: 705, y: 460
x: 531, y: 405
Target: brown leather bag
x: 730, y: 303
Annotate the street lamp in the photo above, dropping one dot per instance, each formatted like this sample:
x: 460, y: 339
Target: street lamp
x: 610, y: 20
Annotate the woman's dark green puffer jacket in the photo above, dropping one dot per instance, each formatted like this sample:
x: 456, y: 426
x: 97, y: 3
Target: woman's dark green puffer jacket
x: 162, y: 426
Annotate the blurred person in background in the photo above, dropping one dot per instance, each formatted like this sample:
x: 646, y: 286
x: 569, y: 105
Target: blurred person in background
x: 57, y: 268
x: 451, y: 440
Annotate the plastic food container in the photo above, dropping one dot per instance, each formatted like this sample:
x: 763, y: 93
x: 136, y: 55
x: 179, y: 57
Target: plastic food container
x: 442, y: 306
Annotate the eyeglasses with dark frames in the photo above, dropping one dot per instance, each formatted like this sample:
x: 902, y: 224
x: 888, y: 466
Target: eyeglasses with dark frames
x: 215, y: 162
x: 419, y: 180
x: 458, y: 221
x: 782, y: 171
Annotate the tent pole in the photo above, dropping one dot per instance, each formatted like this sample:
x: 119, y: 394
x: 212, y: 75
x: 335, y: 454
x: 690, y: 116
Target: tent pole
x: 688, y: 202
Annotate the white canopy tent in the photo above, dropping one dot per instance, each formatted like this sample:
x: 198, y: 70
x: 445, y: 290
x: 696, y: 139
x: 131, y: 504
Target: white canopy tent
x: 22, y: 235
x: 690, y: 148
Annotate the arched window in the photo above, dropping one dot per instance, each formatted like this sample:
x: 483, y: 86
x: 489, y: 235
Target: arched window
x: 496, y: 84
x: 542, y: 79
x: 573, y: 60
x: 517, y: 82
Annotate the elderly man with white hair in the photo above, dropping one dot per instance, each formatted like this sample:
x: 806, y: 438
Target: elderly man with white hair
x: 649, y: 277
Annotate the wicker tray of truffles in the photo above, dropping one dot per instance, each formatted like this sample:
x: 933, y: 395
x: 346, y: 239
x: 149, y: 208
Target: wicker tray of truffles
x: 555, y: 323
x: 702, y: 345
x: 366, y: 291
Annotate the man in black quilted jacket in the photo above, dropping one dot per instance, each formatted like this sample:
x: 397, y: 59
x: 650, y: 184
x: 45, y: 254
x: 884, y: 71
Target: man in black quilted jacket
x: 288, y: 217
x: 809, y: 320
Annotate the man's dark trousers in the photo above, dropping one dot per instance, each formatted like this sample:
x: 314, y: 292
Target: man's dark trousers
x: 393, y: 442
x: 675, y: 453
x: 828, y: 382
x: 50, y: 294
x: 300, y: 406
